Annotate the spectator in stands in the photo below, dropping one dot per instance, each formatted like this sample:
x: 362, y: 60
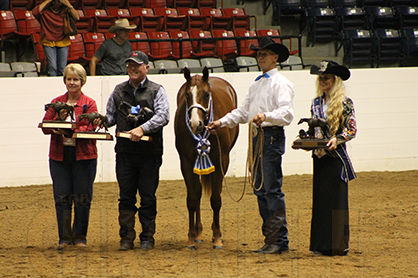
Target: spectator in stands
x: 4, y: 5
x: 113, y: 52
x: 72, y: 162
x: 332, y: 168
x: 55, y: 42
x: 138, y: 162
x: 269, y: 105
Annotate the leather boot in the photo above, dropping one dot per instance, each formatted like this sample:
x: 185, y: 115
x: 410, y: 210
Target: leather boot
x: 274, y: 234
x: 127, y: 229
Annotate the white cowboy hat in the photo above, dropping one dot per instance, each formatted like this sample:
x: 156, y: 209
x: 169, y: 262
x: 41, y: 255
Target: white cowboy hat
x: 121, y: 23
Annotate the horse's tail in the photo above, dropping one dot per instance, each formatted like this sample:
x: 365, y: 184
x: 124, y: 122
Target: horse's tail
x: 206, y: 181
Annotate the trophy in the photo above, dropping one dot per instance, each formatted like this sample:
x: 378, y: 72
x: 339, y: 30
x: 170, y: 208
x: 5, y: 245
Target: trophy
x: 306, y: 139
x: 59, y: 122
x: 137, y: 116
x: 94, y: 134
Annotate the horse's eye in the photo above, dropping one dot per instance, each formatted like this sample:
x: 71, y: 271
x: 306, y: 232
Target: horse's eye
x: 207, y: 94
x: 187, y: 95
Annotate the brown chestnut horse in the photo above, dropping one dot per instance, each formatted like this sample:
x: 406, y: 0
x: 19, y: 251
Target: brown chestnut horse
x: 200, y: 100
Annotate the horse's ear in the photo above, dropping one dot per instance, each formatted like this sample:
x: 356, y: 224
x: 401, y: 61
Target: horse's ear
x: 205, y: 74
x: 186, y: 73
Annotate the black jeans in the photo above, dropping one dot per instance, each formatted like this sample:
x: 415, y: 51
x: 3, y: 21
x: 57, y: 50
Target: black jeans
x: 139, y: 173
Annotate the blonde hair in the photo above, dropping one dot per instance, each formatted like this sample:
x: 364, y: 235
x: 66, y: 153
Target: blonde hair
x: 78, y: 70
x: 335, y: 104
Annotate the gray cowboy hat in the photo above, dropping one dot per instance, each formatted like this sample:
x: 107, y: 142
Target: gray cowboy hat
x: 121, y: 23
x: 278, y: 48
x: 331, y: 67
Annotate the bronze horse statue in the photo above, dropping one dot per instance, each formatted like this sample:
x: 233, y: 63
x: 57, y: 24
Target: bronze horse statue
x: 58, y: 106
x: 104, y: 122
x: 200, y: 100
x: 312, y: 123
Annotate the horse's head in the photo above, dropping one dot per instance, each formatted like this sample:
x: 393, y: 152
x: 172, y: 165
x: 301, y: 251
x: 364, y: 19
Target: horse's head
x: 198, y: 96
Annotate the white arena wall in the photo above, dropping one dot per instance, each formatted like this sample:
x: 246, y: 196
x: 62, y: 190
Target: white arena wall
x: 386, y: 102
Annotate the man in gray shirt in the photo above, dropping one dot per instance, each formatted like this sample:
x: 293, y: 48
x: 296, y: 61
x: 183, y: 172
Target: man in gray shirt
x: 113, y: 52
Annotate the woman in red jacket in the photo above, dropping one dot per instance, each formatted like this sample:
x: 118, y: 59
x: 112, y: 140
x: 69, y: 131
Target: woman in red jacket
x: 55, y: 42
x: 72, y: 162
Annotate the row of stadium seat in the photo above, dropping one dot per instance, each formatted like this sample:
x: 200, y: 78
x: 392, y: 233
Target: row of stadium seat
x: 172, y: 45
x: 99, y: 4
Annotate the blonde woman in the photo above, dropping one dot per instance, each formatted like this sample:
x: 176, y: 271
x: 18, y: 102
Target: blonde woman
x: 332, y: 167
x: 72, y: 162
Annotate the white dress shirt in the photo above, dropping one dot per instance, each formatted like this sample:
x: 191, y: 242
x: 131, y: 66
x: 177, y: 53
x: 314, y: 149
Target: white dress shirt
x: 272, y: 96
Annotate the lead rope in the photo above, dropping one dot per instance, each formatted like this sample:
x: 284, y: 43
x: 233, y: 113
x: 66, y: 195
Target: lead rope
x: 254, y: 159
x: 258, y: 153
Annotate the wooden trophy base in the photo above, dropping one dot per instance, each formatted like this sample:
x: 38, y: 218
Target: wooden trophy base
x: 128, y: 135
x: 55, y: 124
x: 310, y: 144
x: 93, y: 135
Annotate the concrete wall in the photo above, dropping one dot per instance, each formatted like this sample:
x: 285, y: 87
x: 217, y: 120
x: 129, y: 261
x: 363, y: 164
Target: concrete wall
x: 386, y: 102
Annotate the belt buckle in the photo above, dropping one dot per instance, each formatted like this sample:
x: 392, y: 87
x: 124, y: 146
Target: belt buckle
x: 254, y: 130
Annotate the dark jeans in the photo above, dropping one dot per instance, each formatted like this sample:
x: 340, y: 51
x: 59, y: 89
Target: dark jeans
x: 139, y: 173
x: 270, y: 197
x: 72, y: 182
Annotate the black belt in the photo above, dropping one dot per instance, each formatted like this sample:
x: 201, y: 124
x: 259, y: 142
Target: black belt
x: 272, y: 127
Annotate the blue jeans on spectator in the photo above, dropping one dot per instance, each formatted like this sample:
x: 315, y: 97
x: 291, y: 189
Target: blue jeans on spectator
x: 72, y: 182
x: 56, y: 58
x: 270, y: 197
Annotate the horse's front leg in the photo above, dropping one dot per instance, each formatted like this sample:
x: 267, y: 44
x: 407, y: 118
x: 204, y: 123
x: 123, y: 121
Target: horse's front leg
x: 216, y: 203
x: 198, y: 226
x: 193, y: 206
x: 194, y: 194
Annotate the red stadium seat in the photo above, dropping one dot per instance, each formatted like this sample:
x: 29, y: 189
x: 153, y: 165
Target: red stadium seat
x: 122, y: 4
x: 246, y: 40
x: 240, y: 19
x: 225, y: 49
x: 102, y: 21
x: 218, y: 20
x: 85, y: 24
x: 140, y: 45
x: 196, y: 21
x: 26, y: 22
x: 91, y: 4
x: 206, y: 3
x: 39, y: 51
x: 160, y: 49
x: 155, y: 4
x: 206, y: 46
x: 92, y: 41
x: 22, y: 5
x: 187, y: 47
x: 149, y: 21
x: 135, y: 3
x: 172, y: 20
x: 8, y: 26
x: 77, y: 51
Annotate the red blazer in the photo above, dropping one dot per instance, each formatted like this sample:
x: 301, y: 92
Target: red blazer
x: 85, y: 148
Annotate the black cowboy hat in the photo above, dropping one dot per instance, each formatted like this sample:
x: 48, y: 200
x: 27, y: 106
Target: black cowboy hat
x: 278, y: 48
x: 331, y: 67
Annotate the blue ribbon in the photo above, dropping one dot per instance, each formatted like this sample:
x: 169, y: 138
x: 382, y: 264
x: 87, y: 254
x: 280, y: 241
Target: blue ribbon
x: 135, y: 109
x: 203, y: 164
x: 263, y: 75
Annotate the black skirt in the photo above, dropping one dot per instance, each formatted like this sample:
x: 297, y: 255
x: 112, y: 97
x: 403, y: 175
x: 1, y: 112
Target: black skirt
x: 329, y: 226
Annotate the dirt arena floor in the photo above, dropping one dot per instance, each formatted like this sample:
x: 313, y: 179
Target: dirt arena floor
x: 383, y: 219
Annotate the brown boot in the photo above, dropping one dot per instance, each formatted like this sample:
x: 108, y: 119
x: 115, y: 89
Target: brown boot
x: 127, y: 229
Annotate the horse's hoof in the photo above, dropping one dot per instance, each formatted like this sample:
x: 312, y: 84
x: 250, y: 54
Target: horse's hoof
x: 217, y: 247
x: 191, y: 247
x: 198, y: 240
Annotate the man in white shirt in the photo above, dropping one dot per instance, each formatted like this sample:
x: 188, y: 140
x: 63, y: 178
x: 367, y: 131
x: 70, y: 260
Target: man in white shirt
x: 269, y: 104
